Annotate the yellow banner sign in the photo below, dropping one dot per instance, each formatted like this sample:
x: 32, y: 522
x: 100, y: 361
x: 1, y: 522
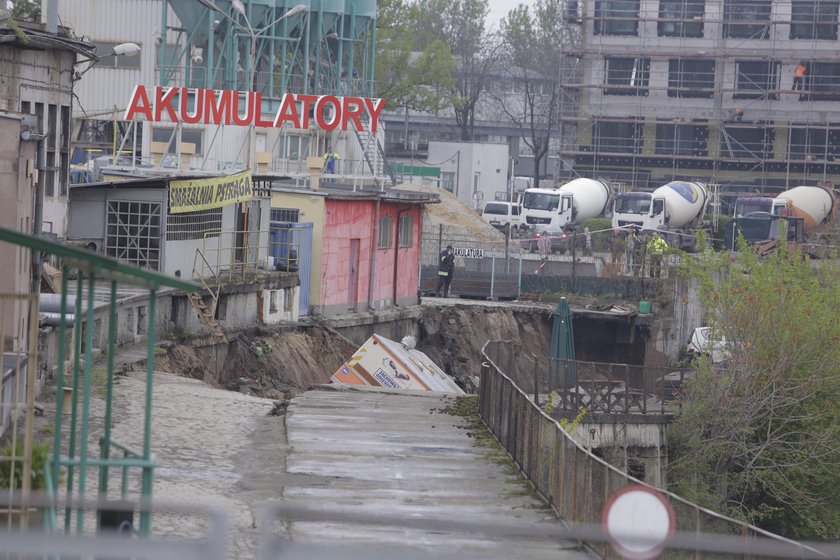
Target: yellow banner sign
x: 191, y: 195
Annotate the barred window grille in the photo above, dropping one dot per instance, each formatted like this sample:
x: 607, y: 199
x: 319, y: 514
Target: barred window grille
x: 133, y: 232
x: 386, y: 226
x: 194, y: 225
x: 285, y: 215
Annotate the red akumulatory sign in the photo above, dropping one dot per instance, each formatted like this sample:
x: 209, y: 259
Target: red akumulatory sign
x: 172, y: 104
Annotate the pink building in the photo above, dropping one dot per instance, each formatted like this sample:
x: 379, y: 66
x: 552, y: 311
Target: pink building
x: 365, y: 246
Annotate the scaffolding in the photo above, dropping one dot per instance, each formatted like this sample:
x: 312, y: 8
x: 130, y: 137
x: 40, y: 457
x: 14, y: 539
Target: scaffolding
x: 275, y: 47
x: 737, y: 93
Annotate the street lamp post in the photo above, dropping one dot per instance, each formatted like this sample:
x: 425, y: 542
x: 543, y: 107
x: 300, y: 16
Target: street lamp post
x: 239, y: 7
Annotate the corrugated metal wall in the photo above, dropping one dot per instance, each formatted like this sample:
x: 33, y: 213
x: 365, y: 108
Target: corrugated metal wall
x: 114, y: 21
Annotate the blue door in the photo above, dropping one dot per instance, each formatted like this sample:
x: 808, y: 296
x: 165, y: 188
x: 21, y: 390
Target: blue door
x: 291, y: 247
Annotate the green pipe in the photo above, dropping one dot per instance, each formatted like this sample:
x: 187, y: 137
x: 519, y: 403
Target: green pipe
x: 77, y: 349
x: 59, y: 397
x: 372, y: 51
x: 339, y: 57
x: 284, y: 80
x: 124, y: 484
x: 129, y: 451
x: 109, y: 391
x: 83, y: 439
x: 50, y: 518
x: 164, y: 79
x: 125, y: 462
x: 306, y: 57
x: 210, y: 75
x: 146, y: 487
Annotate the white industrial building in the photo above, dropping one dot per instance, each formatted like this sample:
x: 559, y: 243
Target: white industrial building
x: 186, y: 43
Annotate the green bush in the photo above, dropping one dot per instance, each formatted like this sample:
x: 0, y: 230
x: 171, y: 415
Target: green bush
x: 40, y: 457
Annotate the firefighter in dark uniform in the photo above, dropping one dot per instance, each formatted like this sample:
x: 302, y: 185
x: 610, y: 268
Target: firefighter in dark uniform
x: 446, y: 268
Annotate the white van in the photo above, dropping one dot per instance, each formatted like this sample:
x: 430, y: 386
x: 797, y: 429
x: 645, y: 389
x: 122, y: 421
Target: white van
x: 501, y: 214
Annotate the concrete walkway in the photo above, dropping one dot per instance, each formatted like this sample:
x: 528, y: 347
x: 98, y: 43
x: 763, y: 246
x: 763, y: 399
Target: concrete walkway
x: 343, y: 467
x: 372, y: 467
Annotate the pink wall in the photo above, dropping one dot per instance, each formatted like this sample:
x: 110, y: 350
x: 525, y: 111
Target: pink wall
x: 346, y: 220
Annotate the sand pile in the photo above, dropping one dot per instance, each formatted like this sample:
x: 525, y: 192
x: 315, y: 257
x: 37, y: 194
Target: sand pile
x: 453, y: 212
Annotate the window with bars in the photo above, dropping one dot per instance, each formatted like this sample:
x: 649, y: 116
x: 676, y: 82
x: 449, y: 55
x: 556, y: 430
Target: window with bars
x: 616, y: 17
x: 810, y: 143
x: 681, y: 18
x: 619, y: 137
x: 194, y: 225
x: 681, y: 139
x: 814, y: 19
x: 756, y: 79
x: 691, y: 77
x: 285, y: 215
x: 747, y: 19
x: 406, y: 231
x: 386, y: 234
x: 133, y: 232
x: 627, y: 76
x: 822, y: 81
x: 753, y: 142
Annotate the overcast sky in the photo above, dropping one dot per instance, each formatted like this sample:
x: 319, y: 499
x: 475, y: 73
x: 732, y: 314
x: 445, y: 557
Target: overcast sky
x: 500, y: 9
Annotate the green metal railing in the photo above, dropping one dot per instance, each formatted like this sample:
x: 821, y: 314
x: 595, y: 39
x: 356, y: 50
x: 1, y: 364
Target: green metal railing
x: 72, y: 458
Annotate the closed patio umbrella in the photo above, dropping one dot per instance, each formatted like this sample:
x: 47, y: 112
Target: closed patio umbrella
x: 563, y: 345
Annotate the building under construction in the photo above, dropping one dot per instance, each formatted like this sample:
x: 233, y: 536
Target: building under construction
x: 739, y: 93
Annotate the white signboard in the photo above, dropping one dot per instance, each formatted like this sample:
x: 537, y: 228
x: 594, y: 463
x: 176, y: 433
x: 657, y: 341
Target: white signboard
x: 468, y: 252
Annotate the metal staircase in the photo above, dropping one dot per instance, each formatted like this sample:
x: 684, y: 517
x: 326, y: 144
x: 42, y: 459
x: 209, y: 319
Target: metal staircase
x: 374, y: 154
x: 207, y: 315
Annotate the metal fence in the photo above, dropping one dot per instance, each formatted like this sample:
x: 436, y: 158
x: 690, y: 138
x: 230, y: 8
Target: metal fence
x: 236, y: 256
x: 485, y: 266
x: 577, y: 484
x: 507, y: 267
x: 598, y: 387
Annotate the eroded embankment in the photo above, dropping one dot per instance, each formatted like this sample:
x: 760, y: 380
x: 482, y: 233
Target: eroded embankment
x: 282, y: 362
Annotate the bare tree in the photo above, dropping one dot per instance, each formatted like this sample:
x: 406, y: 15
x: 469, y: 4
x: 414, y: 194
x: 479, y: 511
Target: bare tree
x: 461, y: 25
x: 536, y: 64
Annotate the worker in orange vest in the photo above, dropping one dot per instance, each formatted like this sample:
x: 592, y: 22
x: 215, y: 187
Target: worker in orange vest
x: 799, y: 76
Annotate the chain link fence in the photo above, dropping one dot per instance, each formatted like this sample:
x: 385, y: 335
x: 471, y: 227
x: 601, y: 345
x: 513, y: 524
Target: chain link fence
x: 485, y: 266
x: 577, y: 484
x: 520, y: 266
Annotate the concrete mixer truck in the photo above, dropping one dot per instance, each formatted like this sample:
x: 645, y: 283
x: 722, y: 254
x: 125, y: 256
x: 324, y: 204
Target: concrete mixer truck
x: 557, y: 210
x: 677, y: 208
x: 806, y: 209
x: 748, y: 204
